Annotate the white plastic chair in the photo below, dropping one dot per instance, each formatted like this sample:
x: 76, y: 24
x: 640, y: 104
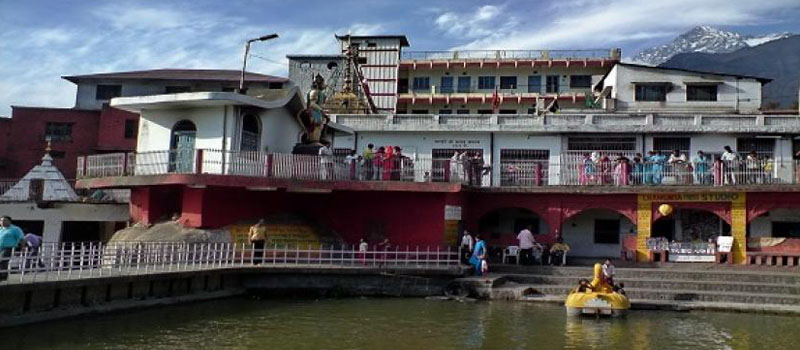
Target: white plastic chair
x: 511, y: 251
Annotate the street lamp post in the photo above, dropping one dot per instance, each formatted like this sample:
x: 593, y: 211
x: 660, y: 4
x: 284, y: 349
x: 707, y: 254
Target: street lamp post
x: 247, y: 51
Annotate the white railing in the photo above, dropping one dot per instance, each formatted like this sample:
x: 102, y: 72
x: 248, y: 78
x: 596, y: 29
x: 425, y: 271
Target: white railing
x: 63, y: 261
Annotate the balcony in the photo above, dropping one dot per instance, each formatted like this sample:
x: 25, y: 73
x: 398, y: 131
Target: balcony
x: 567, y: 173
x: 510, y: 54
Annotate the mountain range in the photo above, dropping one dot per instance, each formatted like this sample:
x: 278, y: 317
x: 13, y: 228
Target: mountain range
x: 704, y: 39
x: 777, y: 59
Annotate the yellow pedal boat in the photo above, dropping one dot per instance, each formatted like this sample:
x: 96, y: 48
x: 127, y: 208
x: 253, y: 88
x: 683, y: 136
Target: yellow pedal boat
x: 596, y: 298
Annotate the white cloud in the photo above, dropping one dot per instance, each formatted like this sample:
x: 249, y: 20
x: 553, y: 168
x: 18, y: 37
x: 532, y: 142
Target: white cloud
x: 133, y: 38
x: 484, y: 21
x: 578, y: 23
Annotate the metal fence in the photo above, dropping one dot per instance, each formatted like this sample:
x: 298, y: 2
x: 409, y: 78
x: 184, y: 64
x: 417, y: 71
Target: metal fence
x: 63, y: 261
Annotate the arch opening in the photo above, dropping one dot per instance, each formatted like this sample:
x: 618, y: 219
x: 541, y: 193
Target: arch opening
x: 251, y: 134
x: 182, y: 144
x: 690, y: 225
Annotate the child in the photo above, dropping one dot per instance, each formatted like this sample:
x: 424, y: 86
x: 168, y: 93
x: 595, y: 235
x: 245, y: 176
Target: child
x: 484, y: 267
x: 362, y: 251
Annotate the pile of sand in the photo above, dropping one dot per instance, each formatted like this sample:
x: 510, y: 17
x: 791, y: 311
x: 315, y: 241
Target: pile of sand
x: 170, y: 231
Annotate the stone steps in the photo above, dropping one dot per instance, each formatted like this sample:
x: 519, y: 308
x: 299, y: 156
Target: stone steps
x: 684, y: 295
x: 724, y: 275
x: 711, y: 286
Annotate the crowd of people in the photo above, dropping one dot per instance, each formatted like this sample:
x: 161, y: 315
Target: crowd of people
x: 468, y: 166
x: 475, y: 252
x: 12, y: 239
x: 655, y: 168
x: 384, y: 163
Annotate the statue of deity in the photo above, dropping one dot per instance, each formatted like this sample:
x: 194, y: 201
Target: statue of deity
x: 313, y: 118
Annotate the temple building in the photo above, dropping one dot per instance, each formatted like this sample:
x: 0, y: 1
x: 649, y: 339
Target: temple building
x: 603, y: 154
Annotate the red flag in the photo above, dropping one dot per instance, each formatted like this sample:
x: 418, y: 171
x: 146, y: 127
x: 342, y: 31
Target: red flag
x: 495, y: 100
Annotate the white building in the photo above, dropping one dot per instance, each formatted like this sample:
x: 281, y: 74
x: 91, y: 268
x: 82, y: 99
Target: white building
x: 635, y: 88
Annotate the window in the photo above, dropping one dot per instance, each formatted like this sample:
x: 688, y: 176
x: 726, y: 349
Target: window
x: 362, y: 60
x: 762, y: 147
x: 651, y: 92
x: 531, y: 110
x: 701, y: 92
x: 275, y: 85
x: 421, y: 84
x: 534, y: 83
x: 580, y: 81
x: 552, y: 84
x: 484, y: 111
x: 372, y: 45
x: 464, y: 83
x: 462, y: 111
x: 107, y: 92
x: 589, y: 143
x: 58, y: 132
x: 606, y: 231
x: 507, y: 111
x: 131, y: 128
x: 508, y: 82
x: 666, y: 145
x: 419, y: 111
x: 486, y: 83
x: 786, y: 229
x: 445, y: 111
x: 176, y: 89
x: 447, y: 85
x: 402, y: 85
x: 519, y: 166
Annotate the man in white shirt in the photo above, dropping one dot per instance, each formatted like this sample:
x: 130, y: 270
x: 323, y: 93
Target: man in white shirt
x: 466, y: 247
x: 526, y: 244
x: 326, y: 161
x: 730, y: 165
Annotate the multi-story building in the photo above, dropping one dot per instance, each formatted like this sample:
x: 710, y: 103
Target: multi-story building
x: 596, y: 171
x: 92, y: 126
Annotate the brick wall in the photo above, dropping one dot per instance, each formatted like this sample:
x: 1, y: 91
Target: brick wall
x: 112, y: 130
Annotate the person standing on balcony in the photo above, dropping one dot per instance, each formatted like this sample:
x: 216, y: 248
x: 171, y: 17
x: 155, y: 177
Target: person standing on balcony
x: 455, y: 167
x: 622, y: 170
x: 351, y: 160
x: 258, y: 238
x: 326, y: 161
x: 378, y: 160
x: 368, y: 156
x: 679, y: 166
x: 753, y: 164
x: 637, y: 176
x: 729, y: 165
x: 700, y: 165
x: 388, y: 164
x: 11, y: 237
x: 526, y: 244
x: 656, y: 160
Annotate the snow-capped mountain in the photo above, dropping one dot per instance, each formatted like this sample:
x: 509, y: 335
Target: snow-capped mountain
x: 704, y: 39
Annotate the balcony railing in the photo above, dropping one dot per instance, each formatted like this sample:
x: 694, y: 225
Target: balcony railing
x: 507, y: 54
x: 567, y: 170
x: 269, y: 165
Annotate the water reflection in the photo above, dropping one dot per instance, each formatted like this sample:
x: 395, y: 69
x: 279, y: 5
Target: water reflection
x: 399, y: 324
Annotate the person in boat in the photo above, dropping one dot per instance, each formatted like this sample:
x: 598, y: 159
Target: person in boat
x: 619, y: 288
x: 608, y: 272
x: 584, y: 286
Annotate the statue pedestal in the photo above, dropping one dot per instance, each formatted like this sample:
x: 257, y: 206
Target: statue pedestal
x: 306, y: 148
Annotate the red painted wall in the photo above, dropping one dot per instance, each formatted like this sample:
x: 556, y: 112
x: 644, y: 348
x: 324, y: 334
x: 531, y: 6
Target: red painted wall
x: 27, y: 144
x: 155, y: 203
x: 111, y: 136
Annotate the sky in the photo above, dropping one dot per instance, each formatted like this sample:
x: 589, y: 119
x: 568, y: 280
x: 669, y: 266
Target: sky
x: 41, y: 41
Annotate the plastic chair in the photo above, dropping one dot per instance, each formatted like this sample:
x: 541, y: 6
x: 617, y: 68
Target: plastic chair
x: 511, y: 251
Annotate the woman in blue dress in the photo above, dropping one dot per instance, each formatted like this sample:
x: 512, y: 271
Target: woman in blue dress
x: 478, y: 254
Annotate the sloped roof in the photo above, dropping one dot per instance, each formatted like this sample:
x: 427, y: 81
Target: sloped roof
x: 180, y: 74
x: 54, y: 186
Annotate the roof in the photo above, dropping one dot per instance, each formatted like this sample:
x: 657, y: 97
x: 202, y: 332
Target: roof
x: 403, y: 39
x: 180, y: 74
x: 54, y: 186
x: 634, y: 65
x: 301, y: 56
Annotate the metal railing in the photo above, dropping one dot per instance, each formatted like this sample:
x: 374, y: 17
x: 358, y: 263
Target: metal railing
x: 271, y: 165
x: 63, y: 261
x: 507, y: 54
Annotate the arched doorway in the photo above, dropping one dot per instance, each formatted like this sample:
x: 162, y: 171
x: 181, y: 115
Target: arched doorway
x: 690, y: 225
x: 182, y: 142
x: 500, y: 226
x: 596, y: 233
x: 251, y: 134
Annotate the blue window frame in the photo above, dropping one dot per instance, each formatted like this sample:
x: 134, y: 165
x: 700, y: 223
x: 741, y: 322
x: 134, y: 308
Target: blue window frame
x: 534, y: 83
x: 464, y: 83
x: 447, y: 85
x: 486, y: 83
x: 421, y: 83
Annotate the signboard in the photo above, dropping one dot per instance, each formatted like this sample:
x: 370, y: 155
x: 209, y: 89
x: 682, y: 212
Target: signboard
x: 724, y: 244
x: 456, y: 143
x: 690, y: 258
x: 452, y: 212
